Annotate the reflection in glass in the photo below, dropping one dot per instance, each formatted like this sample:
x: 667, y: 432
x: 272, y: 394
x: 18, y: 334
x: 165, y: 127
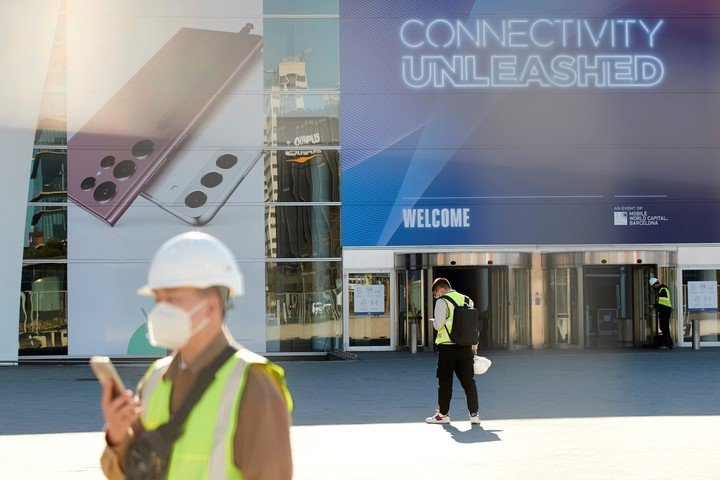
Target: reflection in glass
x: 302, y: 231
x: 705, y: 294
x: 42, y: 328
x: 521, y: 306
x: 52, y: 120
x: 306, y: 7
x: 48, y: 181
x: 301, y: 53
x: 562, y: 306
x: 369, y: 306
x: 288, y: 123
x: 303, y: 306
x: 46, y: 232
x: 302, y: 176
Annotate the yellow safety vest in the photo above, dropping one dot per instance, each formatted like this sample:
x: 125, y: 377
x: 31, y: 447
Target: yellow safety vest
x: 664, y: 301
x: 205, y: 449
x: 443, y: 336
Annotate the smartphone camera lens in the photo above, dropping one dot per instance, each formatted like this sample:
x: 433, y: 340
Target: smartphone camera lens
x: 143, y: 148
x: 226, y: 161
x: 88, y: 183
x: 107, y: 162
x: 195, y: 199
x: 104, y: 192
x: 212, y: 179
x: 124, y: 169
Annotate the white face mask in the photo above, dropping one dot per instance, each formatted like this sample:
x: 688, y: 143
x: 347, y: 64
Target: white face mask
x: 170, y: 326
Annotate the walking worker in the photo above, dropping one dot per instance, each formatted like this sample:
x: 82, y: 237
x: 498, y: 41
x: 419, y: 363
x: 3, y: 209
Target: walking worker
x: 452, y: 358
x: 663, y: 307
x: 211, y: 409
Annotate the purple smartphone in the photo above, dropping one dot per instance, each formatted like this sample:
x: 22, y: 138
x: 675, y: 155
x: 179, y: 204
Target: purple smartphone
x: 113, y: 156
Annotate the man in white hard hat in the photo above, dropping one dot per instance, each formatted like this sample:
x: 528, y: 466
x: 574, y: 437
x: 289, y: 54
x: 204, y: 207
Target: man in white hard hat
x: 211, y: 409
x: 663, y: 307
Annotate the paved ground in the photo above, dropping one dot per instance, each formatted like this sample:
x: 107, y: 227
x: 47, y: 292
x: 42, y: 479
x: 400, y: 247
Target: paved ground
x: 630, y: 414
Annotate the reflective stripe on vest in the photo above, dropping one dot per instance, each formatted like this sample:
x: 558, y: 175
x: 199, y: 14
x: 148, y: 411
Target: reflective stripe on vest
x: 664, y: 301
x: 443, y: 335
x: 203, y: 452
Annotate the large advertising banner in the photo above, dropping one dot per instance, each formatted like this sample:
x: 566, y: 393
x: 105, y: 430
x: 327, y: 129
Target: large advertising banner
x: 530, y: 122
x: 165, y: 135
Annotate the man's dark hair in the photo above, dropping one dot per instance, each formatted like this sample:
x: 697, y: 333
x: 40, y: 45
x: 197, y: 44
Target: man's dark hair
x: 441, y: 283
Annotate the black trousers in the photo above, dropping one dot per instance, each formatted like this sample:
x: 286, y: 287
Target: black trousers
x: 458, y: 360
x: 664, y: 324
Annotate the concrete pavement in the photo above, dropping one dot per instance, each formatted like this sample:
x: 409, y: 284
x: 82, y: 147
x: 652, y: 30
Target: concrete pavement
x: 629, y: 414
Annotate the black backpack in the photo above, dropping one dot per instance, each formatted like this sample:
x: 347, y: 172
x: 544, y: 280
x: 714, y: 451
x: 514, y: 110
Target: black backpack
x: 466, y: 326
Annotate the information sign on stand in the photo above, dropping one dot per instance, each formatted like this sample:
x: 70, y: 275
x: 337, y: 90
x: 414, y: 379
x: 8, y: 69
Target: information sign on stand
x: 702, y: 296
x: 369, y: 299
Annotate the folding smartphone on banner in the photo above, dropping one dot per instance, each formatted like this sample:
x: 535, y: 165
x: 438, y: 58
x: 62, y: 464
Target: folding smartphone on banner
x: 217, y: 155
x: 118, y: 151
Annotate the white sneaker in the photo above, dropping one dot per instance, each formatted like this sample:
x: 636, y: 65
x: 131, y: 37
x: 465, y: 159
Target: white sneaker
x: 438, y: 418
x: 474, y: 419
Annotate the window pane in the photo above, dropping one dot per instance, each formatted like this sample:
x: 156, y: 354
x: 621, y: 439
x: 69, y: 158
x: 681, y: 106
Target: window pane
x: 304, y: 47
x: 300, y: 7
x: 302, y: 231
x: 45, y: 232
x: 302, y: 176
x: 42, y: 328
x: 48, y: 181
x: 289, y: 116
x: 369, y: 318
x: 303, y: 306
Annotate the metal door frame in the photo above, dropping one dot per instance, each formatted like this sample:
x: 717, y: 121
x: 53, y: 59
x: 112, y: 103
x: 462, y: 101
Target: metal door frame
x: 346, y: 308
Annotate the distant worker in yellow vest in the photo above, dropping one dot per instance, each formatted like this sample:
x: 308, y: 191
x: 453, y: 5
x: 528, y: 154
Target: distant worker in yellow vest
x: 452, y: 358
x: 232, y: 406
x: 663, y: 307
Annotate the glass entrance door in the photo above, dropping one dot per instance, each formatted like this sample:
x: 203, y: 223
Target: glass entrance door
x: 411, y: 293
x: 562, y: 307
x: 608, y: 300
x: 488, y: 287
x: 616, y: 306
x: 520, y: 307
x: 644, y: 325
x: 370, y: 321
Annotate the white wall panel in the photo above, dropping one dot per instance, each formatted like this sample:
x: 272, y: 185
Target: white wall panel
x: 26, y: 32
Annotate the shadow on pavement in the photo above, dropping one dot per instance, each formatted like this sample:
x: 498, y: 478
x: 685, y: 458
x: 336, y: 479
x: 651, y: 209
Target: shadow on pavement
x: 476, y: 434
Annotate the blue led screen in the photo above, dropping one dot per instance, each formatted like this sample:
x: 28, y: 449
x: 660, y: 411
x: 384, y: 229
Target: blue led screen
x: 530, y: 122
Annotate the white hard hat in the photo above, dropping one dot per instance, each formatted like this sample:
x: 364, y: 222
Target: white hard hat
x: 653, y: 281
x: 480, y: 365
x: 194, y: 259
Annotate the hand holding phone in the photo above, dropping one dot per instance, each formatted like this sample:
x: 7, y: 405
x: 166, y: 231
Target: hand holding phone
x: 105, y: 372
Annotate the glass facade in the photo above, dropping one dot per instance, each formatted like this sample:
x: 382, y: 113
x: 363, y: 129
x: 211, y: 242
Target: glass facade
x: 302, y: 188
x: 298, y: 206
x: 42, y: 327
x: 302, y: 179
x: 303, y: 306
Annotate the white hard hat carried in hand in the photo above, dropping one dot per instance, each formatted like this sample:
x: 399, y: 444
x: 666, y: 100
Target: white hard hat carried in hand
x: 653, y: 281
x: 480, y: 365
x: 194, y: 259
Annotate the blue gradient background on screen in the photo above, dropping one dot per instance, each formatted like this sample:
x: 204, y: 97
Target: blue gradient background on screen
x: 534, y: 165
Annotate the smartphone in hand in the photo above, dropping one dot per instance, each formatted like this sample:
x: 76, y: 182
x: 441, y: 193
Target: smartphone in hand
x: 105, y: 372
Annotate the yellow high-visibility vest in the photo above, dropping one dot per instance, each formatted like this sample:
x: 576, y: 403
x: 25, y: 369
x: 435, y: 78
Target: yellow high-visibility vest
x: 205, y: 449
x: 443, y: 335
x: 664, y: 301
